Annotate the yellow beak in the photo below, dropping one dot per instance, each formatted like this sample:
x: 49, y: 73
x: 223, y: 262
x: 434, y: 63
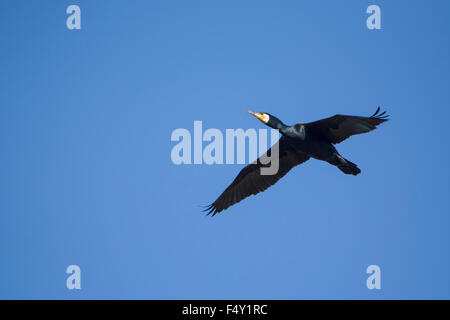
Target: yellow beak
x: 256, y: 114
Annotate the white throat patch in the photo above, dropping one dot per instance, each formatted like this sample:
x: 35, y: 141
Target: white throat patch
x: 265, y: 118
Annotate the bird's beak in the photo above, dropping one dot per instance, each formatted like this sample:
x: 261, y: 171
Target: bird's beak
x: 256, y: 114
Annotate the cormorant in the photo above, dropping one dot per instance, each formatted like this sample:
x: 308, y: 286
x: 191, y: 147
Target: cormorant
x: 297, y: 144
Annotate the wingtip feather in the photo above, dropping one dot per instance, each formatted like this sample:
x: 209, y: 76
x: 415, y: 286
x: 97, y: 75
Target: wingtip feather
x: 378, y: 115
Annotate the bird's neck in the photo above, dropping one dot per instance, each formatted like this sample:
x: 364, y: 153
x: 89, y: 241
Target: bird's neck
x: 281, y: 127
x: 288, y: 131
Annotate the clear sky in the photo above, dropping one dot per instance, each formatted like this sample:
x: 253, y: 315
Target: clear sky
x: 86, y: 176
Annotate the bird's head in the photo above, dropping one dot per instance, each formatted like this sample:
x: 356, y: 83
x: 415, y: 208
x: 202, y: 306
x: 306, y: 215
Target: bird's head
x: 261, y: 116
x: 267, y: 119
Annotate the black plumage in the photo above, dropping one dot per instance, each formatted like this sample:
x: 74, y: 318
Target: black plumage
x: 297, y: 144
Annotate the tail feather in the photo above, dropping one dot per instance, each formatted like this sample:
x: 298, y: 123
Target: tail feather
x: 349, y: 167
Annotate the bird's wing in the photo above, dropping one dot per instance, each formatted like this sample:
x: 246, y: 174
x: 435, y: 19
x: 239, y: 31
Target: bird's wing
x: 250, y: 180
x: 339, y: 127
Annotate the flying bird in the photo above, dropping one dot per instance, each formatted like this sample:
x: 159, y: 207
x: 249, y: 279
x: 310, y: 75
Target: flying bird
x: 297, y: 144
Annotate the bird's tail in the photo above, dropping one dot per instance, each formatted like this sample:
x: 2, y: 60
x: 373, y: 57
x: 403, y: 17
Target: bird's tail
x: 348, y: 167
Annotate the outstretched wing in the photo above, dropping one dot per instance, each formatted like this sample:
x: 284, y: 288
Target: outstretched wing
x: 250, y: 180
x: 339, y: 127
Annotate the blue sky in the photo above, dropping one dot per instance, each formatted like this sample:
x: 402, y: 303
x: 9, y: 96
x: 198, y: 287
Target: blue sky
x: 86, y: 117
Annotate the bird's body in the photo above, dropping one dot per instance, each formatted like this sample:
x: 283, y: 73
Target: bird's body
x: 309, y: 142
x: 298, y: 143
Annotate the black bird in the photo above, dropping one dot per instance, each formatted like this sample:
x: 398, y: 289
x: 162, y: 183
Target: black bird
x: 297, y: 144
